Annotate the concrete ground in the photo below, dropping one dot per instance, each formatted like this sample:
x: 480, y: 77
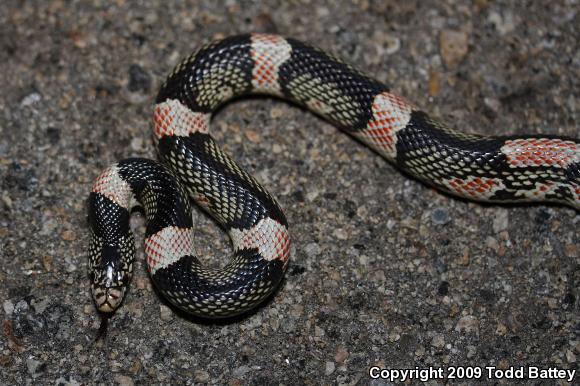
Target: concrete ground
x: 385, y: 272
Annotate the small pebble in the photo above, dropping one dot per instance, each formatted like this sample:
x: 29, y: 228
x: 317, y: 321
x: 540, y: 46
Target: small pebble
x: 385, y: 43
x: 492, y: 243
x: 141, y: 283
x: 241, y: 371
x: 264, y: 23
x: 501, y: 220
x: 8, y: 307
x: 47, y: 263
x: 139, y: 79
x: 438, y: 341
x: 340, y: 234
x: 200, y: 376
x: 329, y: 368
x: 501, y: 329
x: 124, y: 380
x: 443, y: 288
x: 78, y: 37
x: 276, y: 148
x: 53, y: 134
x: 35, y: 367
x: 571, y: 250
x: 297, y: 310
x: 453, y: 46
x: 440, y: 216
x: 471, y: 351
x: 493, y: 103
x: 40, y: 305
x: 318, y: 331
x: 165, y: 313
x: 30, y: 99
x: 253, y: 136
x: 21, y: 306
x: 67, y: 381
x: 136, y: 367
x: 503, y: 24
x: 68, y: 235
x: 394, y: 336
x: 276, y: 112
x: 434, y: 83
x: 312, y: 249
x: 341, y: 355
x: 467, y: 323
x: 420, y: 351
x: 137, y: 144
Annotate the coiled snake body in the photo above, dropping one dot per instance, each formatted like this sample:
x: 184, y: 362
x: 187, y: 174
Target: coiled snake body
x: 496, y: 169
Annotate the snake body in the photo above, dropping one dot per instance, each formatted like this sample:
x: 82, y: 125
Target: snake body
x: 495, y: 169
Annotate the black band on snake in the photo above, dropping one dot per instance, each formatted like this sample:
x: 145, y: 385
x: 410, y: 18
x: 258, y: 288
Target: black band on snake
x: 496, y: 169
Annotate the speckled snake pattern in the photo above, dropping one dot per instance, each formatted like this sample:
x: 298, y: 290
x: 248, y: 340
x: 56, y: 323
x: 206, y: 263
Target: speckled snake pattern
x: 497, y: 169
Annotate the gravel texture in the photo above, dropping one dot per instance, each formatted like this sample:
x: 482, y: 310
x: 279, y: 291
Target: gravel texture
x: 385, y: 270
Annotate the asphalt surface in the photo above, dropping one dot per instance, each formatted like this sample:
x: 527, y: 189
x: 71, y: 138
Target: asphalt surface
x: 385, y: 271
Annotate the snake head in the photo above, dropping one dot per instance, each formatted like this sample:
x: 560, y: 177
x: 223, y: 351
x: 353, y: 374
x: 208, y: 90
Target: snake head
x: 106, y: 294
x: 110, y: 276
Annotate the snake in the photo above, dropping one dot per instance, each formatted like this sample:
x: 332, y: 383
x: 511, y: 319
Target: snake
x: 193, y: 168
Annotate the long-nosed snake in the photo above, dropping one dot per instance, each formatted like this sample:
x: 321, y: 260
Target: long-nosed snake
x: 496, y: 169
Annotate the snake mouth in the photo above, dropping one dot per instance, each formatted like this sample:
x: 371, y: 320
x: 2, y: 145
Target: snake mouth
x: 108, y: 299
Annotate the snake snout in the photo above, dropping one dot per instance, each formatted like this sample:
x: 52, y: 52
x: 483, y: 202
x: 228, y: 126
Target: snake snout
x: 110, y: 277
x: 108, y: 299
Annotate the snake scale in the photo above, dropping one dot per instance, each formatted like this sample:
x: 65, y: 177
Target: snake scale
x: 496, y: 169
